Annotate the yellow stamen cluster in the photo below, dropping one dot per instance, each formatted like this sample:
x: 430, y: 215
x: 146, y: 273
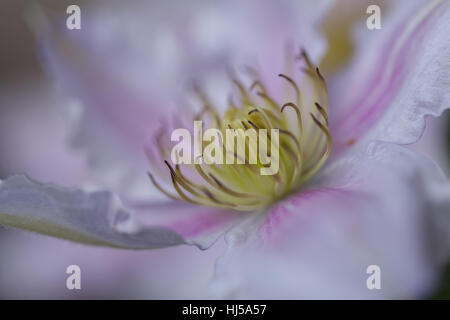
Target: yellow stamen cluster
x: 304, y: 146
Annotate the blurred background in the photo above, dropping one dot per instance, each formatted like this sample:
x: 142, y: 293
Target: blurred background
x: 25, y: 88
x: 33, y: 140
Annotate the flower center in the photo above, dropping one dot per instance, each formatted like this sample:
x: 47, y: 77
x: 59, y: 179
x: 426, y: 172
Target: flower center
x: 303, y: 145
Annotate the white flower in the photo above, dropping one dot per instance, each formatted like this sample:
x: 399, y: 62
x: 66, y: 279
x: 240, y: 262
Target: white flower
x: 374, y: 202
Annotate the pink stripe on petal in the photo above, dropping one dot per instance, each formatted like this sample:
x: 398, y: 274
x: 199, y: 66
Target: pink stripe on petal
x: 396, y: 61
x: 207, y: 221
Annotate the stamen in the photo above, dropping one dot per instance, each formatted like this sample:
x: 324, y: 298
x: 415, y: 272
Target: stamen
x: 244, y: 94
x: 181, y: 181
x: 257, y: 83
x: 252, y: 124
x: 228, y: 190
x: 304, y: 55
x: 296, y: 88
x: 295, y: 157
x: 324, y: 157
x: 293, y: 138
x: 161, y: 189
x: 299, y: 115
x: 214, y: 199
x: 322, y: 112
x: 308, y: 72
x: 159, y: 144
x: 180, y: 174
x: 180, y: 192
x: 271, y: 102
x: 266, y: 115
x: 319, y: 74
x: 240, y: 186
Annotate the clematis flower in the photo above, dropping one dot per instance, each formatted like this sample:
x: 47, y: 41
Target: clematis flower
x: 347, y: 195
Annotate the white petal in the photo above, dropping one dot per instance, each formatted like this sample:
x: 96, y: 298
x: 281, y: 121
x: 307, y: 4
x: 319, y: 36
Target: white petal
x: 399, y: 75
x: 386, y: 206
x: 98, y: 218
x: 33, y: 135
x: 33, y: 267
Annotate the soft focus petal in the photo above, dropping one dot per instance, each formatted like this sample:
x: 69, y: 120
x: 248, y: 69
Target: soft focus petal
x: 110, y: 117
x: 34, y: 267
x: 385, y: 206
x: 199, y: 225
x: 435, y: 141
x: 337, y: 27
x: 33, y: 134
x: 130, y: 63
x: 94, y: 218
x: 399, y: 75
x: 98, y: 217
